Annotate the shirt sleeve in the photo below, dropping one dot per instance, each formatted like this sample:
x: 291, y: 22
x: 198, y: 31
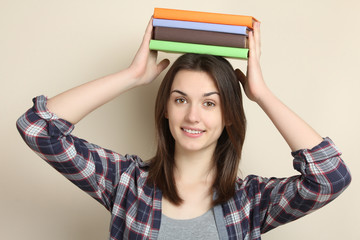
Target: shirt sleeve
x: 324, y: 176
x: 93, y: 169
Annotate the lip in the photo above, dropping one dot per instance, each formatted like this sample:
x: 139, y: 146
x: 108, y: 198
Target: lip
x: 193, y: 135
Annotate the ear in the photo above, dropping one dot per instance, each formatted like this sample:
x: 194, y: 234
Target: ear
x: 166, y: 115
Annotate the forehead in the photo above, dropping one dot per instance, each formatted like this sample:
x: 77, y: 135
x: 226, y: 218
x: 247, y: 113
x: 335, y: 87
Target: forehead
x: 191, y: 80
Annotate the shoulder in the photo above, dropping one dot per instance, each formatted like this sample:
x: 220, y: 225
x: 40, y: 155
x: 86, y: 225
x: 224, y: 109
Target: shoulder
x: 252, y: 183
x: 133, y: 179
x: 135, y: 163
x: 136, y: 169
x: 247, y: 191
x: 253, y: 186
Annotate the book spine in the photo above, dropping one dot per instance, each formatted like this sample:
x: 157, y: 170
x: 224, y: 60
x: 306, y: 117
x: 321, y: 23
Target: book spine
x: 179, y: 47
x: 184, y: 15
x: 200, y: 37
x: 243, y: 30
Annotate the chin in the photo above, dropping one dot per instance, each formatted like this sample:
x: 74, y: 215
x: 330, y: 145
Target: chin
x: 195, y: 147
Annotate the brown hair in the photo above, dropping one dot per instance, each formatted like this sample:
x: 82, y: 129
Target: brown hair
x: 229, y: 146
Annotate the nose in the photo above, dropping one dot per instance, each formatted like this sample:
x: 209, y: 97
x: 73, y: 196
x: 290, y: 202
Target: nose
x: 193, y: 114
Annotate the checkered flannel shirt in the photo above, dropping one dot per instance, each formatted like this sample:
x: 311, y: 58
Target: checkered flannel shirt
x: 119, y: 182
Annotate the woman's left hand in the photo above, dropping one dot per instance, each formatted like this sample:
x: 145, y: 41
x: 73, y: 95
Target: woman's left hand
x: 253, y: 83
x: 295, y: 131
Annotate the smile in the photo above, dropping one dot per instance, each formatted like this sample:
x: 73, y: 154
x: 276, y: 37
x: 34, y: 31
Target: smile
x: 192, y: 131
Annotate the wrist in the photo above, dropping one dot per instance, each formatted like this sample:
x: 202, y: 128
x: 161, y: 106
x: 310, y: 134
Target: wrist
x: 265, y: 97
x: 132, y: 75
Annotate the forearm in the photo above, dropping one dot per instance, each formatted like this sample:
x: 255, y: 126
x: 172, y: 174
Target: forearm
x: 82, y: 162
x: 324, y: 176
x: 76, y: 103
x: 296, y: 132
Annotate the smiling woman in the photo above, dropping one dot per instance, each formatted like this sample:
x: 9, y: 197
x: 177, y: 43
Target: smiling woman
x: 194, y: 115
x: 200, y: 125
x: 199, y: 93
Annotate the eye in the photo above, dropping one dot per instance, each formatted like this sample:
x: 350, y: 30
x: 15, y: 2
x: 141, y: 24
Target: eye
x: 180, y: 100
x: 209, y: 104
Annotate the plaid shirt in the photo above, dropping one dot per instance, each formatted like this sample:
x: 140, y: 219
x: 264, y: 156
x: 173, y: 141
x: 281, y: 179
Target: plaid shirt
x: 120, y: 182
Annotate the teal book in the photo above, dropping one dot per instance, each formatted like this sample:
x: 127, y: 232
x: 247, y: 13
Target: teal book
x: 180, y: 47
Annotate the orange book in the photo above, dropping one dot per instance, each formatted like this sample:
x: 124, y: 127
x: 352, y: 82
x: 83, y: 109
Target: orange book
x: 195, y: 16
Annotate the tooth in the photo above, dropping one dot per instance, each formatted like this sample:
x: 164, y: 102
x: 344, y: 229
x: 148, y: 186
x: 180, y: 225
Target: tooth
x: 192, y: 131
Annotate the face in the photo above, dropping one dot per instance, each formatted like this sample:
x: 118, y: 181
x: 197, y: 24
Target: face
x: 194, y: 112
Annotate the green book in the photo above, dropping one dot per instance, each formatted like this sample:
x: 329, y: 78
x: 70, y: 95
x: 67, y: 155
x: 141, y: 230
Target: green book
x: 179, y: 47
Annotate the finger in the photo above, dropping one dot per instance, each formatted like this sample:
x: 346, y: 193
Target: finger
x: 144, y: 47
x: 257, y: 34
x: 240, y: 76
x: 257, y: 38
x: 149, y: 27
x: 163, y: 64
x: 252, y: 44
x: 148, y: 33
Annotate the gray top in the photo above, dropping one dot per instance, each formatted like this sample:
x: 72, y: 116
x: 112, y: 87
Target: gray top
x: 202, y: 227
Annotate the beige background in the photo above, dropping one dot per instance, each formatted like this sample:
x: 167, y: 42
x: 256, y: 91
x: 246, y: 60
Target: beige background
x: 310, y: 60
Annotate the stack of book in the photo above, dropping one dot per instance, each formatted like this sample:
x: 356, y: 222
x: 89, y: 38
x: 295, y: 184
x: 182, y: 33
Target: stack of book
x: 183, y: 31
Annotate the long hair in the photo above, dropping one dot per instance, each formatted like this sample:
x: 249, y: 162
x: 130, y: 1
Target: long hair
x: 228, y: 150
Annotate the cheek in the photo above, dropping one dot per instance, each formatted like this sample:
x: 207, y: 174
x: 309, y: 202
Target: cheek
x: 219, y: 119
x: 174, y: 113
x: 215, y: 121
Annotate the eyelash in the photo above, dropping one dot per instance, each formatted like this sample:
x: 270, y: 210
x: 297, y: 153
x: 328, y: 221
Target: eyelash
x: 209, y: 104
x: 180, y: 100
x: 205, y: 104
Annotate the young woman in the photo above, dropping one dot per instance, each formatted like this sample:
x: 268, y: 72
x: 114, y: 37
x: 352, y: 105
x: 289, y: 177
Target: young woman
x: 189, y: 189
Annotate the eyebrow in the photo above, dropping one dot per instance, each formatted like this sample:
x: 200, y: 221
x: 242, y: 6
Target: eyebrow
x: 184, y: 94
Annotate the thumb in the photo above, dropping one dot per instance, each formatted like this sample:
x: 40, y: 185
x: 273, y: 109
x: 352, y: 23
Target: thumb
x: 240, y: 76
x: 162, y: 65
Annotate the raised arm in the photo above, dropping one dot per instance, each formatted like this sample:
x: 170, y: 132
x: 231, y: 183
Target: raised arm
x: 323, y: 174
x: 93, y: 169
x: 77, y: 102
x: 297, y: 133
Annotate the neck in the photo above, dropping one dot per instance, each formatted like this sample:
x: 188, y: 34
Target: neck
x: 194, y: 166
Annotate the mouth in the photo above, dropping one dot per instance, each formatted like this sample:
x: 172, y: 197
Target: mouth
x: 192, y: 131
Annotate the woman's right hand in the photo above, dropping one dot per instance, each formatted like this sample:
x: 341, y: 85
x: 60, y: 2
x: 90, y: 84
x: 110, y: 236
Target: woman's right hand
x: 144, y: 66
x: 76, y: 103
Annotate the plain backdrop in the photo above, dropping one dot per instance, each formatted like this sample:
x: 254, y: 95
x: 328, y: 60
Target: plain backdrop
x: 310, y: 59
